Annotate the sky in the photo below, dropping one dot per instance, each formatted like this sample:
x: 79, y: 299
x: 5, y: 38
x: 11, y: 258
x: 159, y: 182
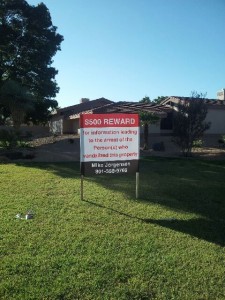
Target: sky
x: 124, y: 50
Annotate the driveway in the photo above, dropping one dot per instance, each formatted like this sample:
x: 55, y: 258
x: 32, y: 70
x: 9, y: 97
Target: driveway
x: 50, y: 149
x: 66, y: 148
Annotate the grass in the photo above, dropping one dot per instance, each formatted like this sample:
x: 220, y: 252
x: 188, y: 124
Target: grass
x: 169, y: 244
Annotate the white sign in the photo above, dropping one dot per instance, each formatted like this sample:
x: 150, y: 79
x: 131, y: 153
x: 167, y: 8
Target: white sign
x: 107, y: 138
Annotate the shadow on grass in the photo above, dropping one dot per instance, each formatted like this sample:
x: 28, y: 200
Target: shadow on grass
x: 208, y: 230
x: 195, y: 186
x: 61, y: 169
x: 186, y: 185
x: 114, y: 210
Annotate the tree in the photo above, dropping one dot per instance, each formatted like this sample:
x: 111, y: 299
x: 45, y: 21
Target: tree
x: 145, y: 100
x: 159, y: 99
x: 17, y: 100
x: 147, y: 118
x: 4, y: 114
x: 189, y: 122
x: 29, y: 41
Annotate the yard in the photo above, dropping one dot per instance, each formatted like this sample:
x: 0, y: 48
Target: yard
x: 168, y: 244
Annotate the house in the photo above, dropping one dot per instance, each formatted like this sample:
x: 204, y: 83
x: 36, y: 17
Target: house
x: 215, y: 114
x: 66, y: 120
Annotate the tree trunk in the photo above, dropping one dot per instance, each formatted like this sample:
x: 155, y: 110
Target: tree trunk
x: 17, y: 117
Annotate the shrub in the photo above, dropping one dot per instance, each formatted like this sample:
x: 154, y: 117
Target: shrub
x: 189, y: 122
x: 8, y: 138
x: 11, y: 139
x: 198, y: 143
x: 222, y: 140
x: 22, y: 144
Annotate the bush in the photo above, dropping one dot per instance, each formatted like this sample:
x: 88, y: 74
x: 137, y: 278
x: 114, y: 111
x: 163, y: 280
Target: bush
x: 198, y: 144
x: 189, y: 122
x: 8, y: 138
x: 22, y: 144
x: 11, y: 139
x: 222, y: 140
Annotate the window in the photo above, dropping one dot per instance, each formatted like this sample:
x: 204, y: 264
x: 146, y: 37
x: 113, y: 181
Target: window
x: 167, y: 123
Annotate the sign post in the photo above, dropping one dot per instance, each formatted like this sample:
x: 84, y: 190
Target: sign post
x: 109, y: 144
x: 137, y: 185
x: 82, y: 187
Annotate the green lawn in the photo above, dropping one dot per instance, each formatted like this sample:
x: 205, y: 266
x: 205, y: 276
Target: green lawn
x: 169, y: 244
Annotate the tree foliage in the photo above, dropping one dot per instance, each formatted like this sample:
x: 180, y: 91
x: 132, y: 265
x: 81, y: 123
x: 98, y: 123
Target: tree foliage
x: 145, y: 100
x: 17, y: 100
x: 28, y: 42
x: 189, y: 122
x: 146, y: 119
x: 159, y: 99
